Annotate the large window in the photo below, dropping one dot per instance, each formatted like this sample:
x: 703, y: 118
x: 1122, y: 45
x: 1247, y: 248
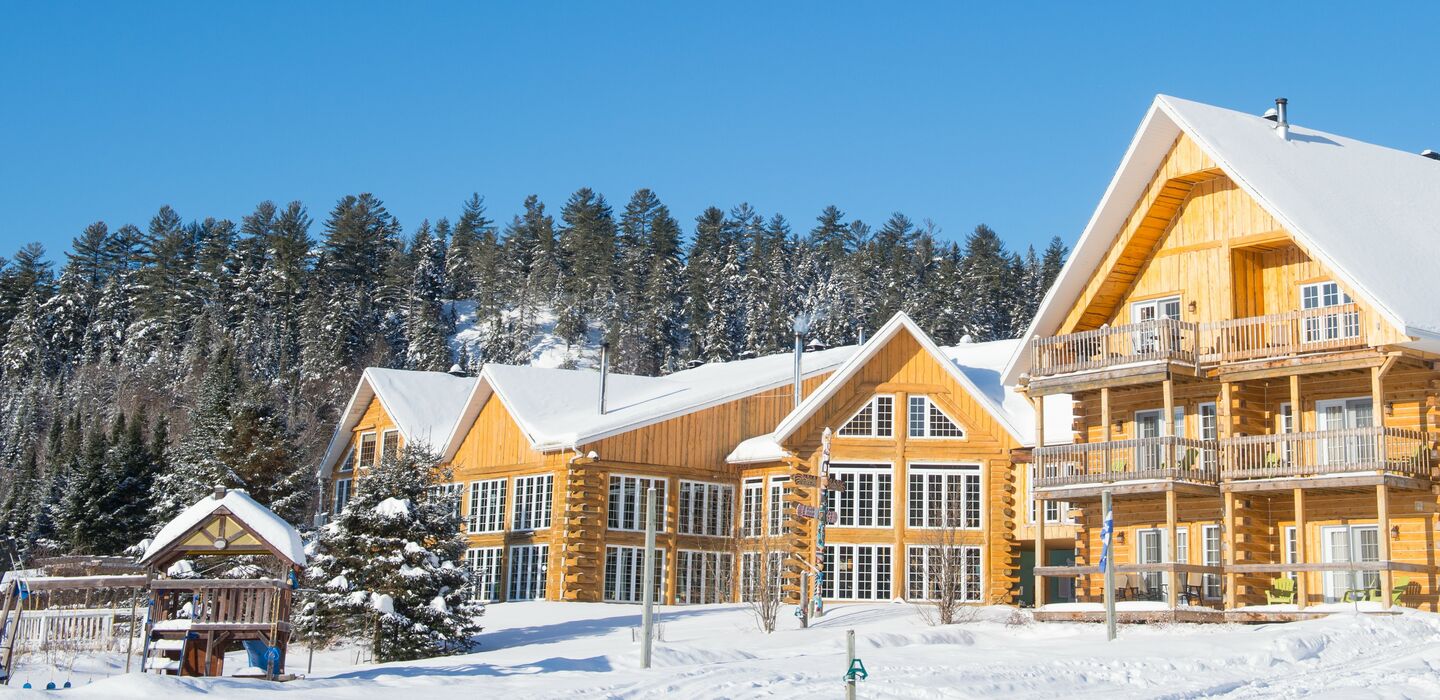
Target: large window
x: 484, y: 565
x: 703, y: 577
x: 534, y: 496
x: 367, y: 450
x: 875, y: 419
x: 528, y: 564
x: 778, y: 507
x: 866, y: 500
x: 342, y: 495
x: 928, y: 572
x: 756, y: 569
x: 752, y: 508
x: 705, y: 508
x: 857, y: 572
x: 1320, y: 327
x: 450, y: 495
x: 926, y: 420
x: 625, y: 574
x: 626, y: 509
x: 390, y: 445
x: 487, y: 505
x: 944, y: 496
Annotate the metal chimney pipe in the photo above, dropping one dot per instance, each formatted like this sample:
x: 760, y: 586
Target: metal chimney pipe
x: 604, y: 373
x: 799, y: 350
x: 1282, y: 117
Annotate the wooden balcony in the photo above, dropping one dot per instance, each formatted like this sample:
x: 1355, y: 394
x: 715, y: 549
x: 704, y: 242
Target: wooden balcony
x: 1373, y: 452
x: 1084, y: 469
x: 1119, y: 355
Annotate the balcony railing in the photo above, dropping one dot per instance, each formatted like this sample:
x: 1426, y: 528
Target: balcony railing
x: 222, y: 602
x: 1212, y: 343
x: 1281, y: 335
x: 1148, y: 341
x: 1317, y: 453
x: 1177, y: 458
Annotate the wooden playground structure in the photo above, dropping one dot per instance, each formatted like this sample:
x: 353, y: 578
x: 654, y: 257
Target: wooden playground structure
x: 177, y: 624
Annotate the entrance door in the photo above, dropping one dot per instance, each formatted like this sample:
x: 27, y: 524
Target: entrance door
x: 1346, y: 414
x: 1350, y: 543
x: 1148, y: 339
x: 1151, y: 550
x: 1148, y: 425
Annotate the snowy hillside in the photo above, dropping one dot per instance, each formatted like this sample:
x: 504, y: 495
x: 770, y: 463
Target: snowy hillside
x: 573, y: 650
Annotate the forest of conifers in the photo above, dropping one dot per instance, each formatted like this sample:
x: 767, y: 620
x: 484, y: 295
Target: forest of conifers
x: 152, y: 362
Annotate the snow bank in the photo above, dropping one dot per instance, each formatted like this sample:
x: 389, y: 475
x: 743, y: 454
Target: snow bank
x: 393, y: 508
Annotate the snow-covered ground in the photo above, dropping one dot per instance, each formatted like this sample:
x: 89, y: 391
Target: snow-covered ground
x: 554, y: 650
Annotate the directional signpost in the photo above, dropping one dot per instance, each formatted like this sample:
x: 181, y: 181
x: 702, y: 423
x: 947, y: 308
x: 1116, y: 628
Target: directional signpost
x: 820, y: 521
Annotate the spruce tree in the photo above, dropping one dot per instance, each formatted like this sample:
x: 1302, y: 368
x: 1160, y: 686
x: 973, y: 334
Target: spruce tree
x: 389, y: 567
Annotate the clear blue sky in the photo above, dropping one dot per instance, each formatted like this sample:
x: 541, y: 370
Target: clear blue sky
x: 1015, y: 117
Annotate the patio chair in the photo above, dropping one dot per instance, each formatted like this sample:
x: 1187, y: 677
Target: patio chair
x: 1125, y: 586
x: 1191, y: 586
x: 1150, y: 592
x: 1118, y: 466
x: 1272, y: 460
x: 1282, y: 591
x: 1402, y: 584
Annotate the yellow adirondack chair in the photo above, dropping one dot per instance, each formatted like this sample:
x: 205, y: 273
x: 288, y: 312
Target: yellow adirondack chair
x: 1401, y: 584
x: 1282, y: 590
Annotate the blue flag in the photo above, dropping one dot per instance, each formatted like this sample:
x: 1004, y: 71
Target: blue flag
x: 1106, y: 531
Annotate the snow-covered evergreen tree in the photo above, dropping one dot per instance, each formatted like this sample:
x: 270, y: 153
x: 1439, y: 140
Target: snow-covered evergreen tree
x: 197, y: 463
x: 389, y: 567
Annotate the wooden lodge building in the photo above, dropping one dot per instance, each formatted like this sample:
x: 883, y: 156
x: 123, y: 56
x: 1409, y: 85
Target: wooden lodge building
x: 1246, y: 336
x: 551, y: 478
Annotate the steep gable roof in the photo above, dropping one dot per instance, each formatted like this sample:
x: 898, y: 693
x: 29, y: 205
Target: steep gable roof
x: 1337, y: 196
x: 272, y: 532
x: 559, y: 408
x: 1011, y: 415
x: 423, y: 405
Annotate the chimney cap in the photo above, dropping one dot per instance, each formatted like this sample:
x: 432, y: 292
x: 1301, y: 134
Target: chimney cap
x: 219, y: 492
x: 1432, y: 155
x: 1271, y: 114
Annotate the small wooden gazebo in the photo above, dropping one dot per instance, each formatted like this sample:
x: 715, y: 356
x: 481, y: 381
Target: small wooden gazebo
x: 194, y: 621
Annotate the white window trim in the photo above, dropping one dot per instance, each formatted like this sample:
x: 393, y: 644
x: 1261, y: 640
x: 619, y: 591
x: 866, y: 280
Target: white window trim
x: 661, y: 571
x: 775, y: 522
x: 1205, y: 531
x: 859, y: 467
x: 1062, y: 508
x: 889, y: 580
x: 727, y: 524
x: 543, y: 559
x: 660, y: 519
x: 360, y: 450
x: 336, y: 507
x: 727, y: 574
x: 980, y: 550
x: 471, y: 557
x: 756, y: 484
x: 385, y: 437
x: 548, y: 514
x: 929, y: 467
x: 929, y: 402
x: 502, y: 511
x: 874, y: 420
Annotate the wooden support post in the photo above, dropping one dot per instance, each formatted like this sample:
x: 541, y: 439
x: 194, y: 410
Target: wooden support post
x: 1039, y: 550
x: 1228, y: 528
x: 1105, y: 413
x: 1382, y: 503
x: 1302, y: 585
x: 1297, y: 413
x: 1171, y: 516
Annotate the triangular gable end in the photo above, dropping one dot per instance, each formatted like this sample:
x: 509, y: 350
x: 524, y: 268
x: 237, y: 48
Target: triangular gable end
x: 900, y: 322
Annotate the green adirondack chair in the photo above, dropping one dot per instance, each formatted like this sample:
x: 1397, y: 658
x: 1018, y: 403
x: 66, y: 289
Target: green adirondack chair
x: 1401, y: 584
x: 1282, y: 590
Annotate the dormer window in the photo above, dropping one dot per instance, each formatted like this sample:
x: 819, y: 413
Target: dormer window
x: 875, y: 419
x: 926, y: 420
x: 367, y: 450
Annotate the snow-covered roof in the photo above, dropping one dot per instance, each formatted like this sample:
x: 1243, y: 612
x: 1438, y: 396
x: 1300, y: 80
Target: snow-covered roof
x: 259, y: 520
x: 983, y: 364
x: 423, y: 405
x: 1367, y: 212
x: 761, y: 448
x: 559, y: 408
x: 966, y: 365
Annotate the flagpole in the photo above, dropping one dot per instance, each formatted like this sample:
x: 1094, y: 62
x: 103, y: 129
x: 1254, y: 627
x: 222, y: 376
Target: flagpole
x: 1107, y: 561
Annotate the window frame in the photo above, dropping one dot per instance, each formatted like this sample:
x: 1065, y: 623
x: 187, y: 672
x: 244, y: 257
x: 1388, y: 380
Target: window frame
x: 837, y: 500
x: 636, y: 559
x: 964, y: 551
x: 473, y: 557
x: 716, y: 576
x: 536, y: 567
x: 638, y: 512
x: 492, y: 516
x: 927, y: 427
x: 836, y: 584
x: 752, y: 510
x: 964, y: 470
x: 873, y: 405
x: 724, y: 523
x: 337, y: 504
x: 388, y: 438
x: 775, y: 506
x: 360, y: 463
x: 547, y: 496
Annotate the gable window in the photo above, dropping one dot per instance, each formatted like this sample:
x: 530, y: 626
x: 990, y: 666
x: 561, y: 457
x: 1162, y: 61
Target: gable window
x: 533, y: 498
x: 528, y: 564
x: 487, y: 505
x: 866, y: 500
x: 342, y: 494
x: 777, y: 503
x: 626, y: 508
x: 928, y: 421
x: 390, y: 445
x: 752, y: 504
x: 367, y: 450
x: 349, y: 464
x: 875, y: 419
x: 1321, y: 326
x: 944, y: 496
x: 705, y: 508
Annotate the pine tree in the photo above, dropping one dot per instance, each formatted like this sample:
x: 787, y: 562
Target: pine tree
x: 198, y: 462
x: 985, y: 283
x: 388, y: 567
x: 426, y: 331
x: 586, y: 250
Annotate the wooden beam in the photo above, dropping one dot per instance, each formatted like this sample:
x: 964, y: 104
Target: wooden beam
x: 1301, y: 577
x: 1382, y: 502
x: 1229, y: 531
x: 1361, y: 481
x: 1309, y: 364
x: 1171, y: 509
x: 1105, y: 412
x: 1039, y: 551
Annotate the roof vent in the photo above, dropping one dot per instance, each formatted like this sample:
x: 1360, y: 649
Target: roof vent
x: 219, y: 491
x: 1282, y: 117
x: 455, y: 370
x: 1432, y: 155
x: 1271, y: 114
